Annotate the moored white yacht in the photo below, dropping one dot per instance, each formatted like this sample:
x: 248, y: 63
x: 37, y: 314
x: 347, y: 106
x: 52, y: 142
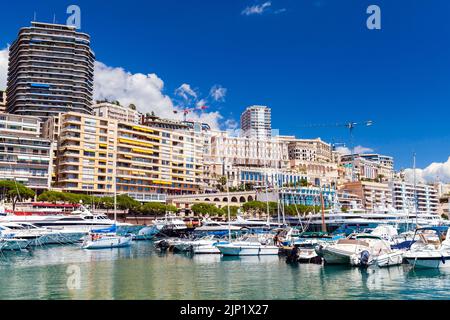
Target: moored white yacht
x: 217, y: 228
x: 431, y: 250
x: 79, y: 220
x: 357, y: 250
x: 248, y: 246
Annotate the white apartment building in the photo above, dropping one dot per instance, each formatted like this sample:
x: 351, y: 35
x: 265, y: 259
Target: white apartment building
x: 403, y: 195
x: 256, y: 122
x: 230, y: 155
x: 2, y: 101
x: 117, y: 112
x: 25, y: 157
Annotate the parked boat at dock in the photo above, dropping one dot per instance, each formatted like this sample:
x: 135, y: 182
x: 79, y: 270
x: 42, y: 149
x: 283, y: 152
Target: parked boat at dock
x: 355, y: 250
x: 248, y: 246
x: 431, y: 250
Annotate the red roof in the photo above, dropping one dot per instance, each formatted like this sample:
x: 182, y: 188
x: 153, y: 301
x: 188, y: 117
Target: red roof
x: 55, y: 205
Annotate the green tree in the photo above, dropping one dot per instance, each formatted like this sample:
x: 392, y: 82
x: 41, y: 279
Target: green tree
x: 233, y: 211
x: 15, y: 192
x: 125, y: 202
x: 206, y: 208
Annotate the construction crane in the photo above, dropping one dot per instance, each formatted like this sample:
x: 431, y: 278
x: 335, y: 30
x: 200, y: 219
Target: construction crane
x: 187, y: 111
x: 351, y: 127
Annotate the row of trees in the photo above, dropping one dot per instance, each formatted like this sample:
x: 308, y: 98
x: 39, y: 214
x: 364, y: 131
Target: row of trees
x: 210, y: 209
x: 15, y: 192
x: 124, y: 202
x: 222, y: 182
x: 259, y: 207
x: 253, y: 207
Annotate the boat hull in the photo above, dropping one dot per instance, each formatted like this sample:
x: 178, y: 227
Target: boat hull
x: 108, y: 243
x: 247, y: 250
x: 331, y: 256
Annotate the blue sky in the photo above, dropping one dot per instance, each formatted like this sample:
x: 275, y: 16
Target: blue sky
x: 312, y: 61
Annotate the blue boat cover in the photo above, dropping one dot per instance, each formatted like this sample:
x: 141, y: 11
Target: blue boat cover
x: 112, y: 229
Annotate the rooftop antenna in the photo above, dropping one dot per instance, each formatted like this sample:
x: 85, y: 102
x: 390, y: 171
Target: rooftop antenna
x: 54, y: 18
x: 35, y: 16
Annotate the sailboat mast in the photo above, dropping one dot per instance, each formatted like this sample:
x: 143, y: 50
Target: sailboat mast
x: 415, y: 188
x: 229, y: 211
x: 324, y: 226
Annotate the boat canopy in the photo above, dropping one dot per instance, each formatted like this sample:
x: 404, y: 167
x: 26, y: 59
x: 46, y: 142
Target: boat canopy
x: 440, y: 229
x: 112, y: 229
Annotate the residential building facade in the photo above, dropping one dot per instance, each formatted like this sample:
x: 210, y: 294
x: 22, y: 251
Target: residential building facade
x: 314, y: 159
x: 256, y: 122
x: 372, y: 194
x: 373, y: 167
x: 2, y: 101
x: 51, y: 70
x: 117, y: 112
x: 25, y: 157
x: 148, y: 162
x: 403, y: 195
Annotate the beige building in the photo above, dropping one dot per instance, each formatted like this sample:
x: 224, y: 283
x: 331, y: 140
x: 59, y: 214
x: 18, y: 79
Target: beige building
x: 117, y: 112
x: 149, y: 162
x: 373, y: 167
x: 372, y: 194
x: 313, y: 158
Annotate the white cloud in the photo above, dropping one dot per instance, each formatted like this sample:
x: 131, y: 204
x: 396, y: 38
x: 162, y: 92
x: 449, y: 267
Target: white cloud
x: 3, y: 68
x: 437, y: 171
x: 357, y: 150
x: 186, y: 92
x: 280, y: 11
x: 146, y: 92
x: 256, y: 9
x: 218, y: 93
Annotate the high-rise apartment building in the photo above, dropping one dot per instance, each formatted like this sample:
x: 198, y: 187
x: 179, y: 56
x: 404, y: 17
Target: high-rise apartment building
x: 256, y: 122
x: 25, y: 157
x: 2, y: 101
x: 51, y: 70
x: 403, y: 195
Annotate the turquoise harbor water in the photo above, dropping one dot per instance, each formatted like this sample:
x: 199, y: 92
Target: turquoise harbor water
x: 140, y: 272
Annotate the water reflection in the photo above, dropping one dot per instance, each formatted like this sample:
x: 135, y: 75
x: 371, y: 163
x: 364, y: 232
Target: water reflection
x: 140, y: 272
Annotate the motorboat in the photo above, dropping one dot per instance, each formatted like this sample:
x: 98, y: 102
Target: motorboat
x: 254, y: 223
x: 431, y: 250
x: 248, y: 246
x: 207, y: 246
x: 82, y: 219
x: 216, y: 228
x: 13, y: 231
x: 356, y: 250
x: 106, y: 239
x: 171, y: 225
x: 54, y: 236
x: 146, y: 233
x: 13, y: 244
